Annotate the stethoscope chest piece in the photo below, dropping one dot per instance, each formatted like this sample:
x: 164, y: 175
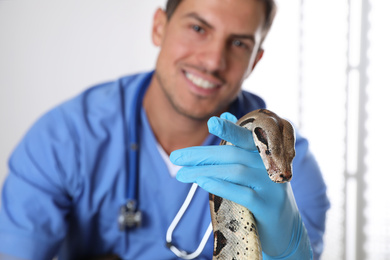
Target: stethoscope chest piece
x: 129, y: 216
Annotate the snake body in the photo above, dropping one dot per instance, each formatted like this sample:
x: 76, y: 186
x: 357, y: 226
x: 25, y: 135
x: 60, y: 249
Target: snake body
x: 235, y: 231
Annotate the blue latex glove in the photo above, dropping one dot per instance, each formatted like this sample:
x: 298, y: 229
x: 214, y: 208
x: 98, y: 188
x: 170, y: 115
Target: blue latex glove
x: 237, y: 173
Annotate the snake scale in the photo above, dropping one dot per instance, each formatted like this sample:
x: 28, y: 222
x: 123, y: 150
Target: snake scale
x: 235, y: 231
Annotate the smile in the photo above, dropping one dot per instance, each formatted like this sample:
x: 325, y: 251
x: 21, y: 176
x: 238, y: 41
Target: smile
x: 200, y: 82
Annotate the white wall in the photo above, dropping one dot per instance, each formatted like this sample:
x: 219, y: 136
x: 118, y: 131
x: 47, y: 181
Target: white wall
x: 51, y: 50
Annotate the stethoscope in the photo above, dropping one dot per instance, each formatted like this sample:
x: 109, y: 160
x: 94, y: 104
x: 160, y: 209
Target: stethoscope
x: 130, y: 216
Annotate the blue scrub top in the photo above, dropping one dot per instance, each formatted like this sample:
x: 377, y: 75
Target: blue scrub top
x: 68, y: 178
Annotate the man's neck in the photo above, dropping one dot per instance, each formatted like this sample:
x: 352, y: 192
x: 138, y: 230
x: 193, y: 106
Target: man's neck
x: 172, y: 130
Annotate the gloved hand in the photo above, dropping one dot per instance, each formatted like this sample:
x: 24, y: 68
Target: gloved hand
x: 237, y: 173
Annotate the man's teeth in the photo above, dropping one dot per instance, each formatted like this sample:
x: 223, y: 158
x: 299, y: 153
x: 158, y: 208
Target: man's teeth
x: 199, y: 81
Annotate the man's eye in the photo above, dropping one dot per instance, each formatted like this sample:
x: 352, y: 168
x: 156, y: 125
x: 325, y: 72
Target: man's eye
x: 239, y: 43
x: 197, y: 28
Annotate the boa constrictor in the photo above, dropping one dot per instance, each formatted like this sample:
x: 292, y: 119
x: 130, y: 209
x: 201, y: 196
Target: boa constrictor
x: 235, y: 231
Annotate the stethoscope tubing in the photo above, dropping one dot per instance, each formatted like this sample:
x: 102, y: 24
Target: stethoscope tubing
x: 181, y: 253
x: 133, y: 135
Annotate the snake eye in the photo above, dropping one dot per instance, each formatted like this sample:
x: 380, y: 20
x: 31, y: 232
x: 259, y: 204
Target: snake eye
x: 261, y: 135
x: 268, y: 152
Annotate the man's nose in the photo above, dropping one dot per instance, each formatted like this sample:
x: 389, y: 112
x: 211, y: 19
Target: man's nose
x: 213, y: 56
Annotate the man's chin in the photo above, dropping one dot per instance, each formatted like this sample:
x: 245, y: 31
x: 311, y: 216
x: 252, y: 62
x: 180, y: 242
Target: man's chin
x: 193, y: 115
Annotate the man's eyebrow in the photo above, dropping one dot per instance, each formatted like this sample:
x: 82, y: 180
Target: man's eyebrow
x: 244, y: 36
x: 204, y: 22
x: 199, y: 18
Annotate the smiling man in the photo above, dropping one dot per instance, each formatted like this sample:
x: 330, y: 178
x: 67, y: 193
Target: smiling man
x: 207, y: 50
x: 86, y: 158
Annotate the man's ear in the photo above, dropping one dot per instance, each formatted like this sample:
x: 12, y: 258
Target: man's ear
x: 259, y: 55
x: 257, y: 58
x: 159, y: 23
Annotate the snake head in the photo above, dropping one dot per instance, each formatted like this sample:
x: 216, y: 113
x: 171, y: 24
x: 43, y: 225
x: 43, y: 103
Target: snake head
x: 276, y: 148
x: 274, y: 138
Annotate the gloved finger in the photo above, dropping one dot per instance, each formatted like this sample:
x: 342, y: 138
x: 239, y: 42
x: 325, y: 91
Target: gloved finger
x: 228, y: 116
x: 253, y: 178
x: 216, y: 155
x: 242, y: 195
x: 256, y: 201
x: 237, y: 135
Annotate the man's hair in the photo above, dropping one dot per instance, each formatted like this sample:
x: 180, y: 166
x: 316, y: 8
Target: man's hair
x: 270, y: 11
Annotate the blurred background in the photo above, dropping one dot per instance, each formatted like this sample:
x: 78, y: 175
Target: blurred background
x: 325, y: 68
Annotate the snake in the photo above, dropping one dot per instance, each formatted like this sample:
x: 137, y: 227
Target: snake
x: 235, y: 231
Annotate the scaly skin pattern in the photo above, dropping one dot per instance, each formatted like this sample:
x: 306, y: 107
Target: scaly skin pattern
x: 235, y: 231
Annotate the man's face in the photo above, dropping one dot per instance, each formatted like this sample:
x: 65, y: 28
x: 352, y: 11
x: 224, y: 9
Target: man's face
x: 208, y: 47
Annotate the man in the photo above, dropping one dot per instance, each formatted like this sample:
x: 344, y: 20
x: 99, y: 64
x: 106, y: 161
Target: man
x: 74, y: 165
